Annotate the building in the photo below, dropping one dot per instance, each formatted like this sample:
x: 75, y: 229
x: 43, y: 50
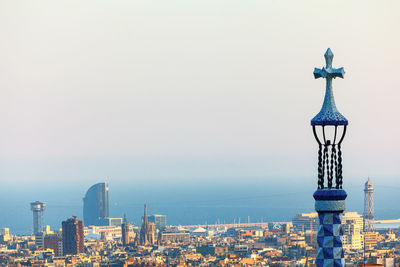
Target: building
x: 352, y: 215
x: 285, y: 228
x: 72, y: 236
x: 125, y: 232
x: 5, y: 231
x: 370, y: 240
x: 109, y: 232
x: 306, y: 221
x: 213, y: 250
x: 147, y: 231
x: 38, y: 208
x: 160, y: 221
x: 352, y: 235
x: 39, y: 239
x: 5, y: 235
x: 54, y: 242
x: 110, y: 222
x: 95, y: 204
x: 175, y: 237
x: 47, y: 230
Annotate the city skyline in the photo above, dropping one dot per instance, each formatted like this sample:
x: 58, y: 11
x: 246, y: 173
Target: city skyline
x: 200, y: 112
x: 279, y: 244
x: 206, y: 205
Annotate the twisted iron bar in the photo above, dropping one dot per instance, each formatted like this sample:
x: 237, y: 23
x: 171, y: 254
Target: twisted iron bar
x: 326, y: 158
x: 320, y: 168
x: 323, y: 165
x: 330, y: 160
x: 339, y: 182
x: 321, y: 161
x: 333, y: 158
x: 335, y: 165
x: 339, y: 169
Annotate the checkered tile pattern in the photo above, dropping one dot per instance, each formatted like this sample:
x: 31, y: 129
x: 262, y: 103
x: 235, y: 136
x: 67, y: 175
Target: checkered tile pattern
x: 330, y: 232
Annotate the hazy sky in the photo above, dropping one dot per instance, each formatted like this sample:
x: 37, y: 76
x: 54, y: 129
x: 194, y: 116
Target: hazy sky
x: 192, y: 89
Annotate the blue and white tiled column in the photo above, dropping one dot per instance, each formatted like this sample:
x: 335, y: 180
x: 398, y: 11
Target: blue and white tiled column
x: 330, y: 204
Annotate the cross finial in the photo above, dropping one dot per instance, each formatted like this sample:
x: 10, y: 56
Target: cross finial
x: 329, y: 115
x: 328, y: 58
x: 328, y: 72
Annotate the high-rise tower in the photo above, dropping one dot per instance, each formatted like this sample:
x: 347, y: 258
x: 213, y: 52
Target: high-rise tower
x: 369, y: 216
x: 38, y: 208
x: 95, y: 204
x: 72, y: 236
x: 125, y: 232
x: 329, y: 128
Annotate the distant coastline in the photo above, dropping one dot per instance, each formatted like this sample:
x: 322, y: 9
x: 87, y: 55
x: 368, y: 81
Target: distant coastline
x: 387, y: 221
x: 387, y: 224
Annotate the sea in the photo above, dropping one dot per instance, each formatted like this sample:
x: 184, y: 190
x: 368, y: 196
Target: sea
x: 185, y: 201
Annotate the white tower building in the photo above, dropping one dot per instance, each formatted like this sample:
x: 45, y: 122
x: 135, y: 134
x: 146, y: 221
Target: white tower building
x: 38, y: 208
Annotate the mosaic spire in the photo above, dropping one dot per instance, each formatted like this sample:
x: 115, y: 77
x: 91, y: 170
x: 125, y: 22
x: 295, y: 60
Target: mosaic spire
x: 329, y: 198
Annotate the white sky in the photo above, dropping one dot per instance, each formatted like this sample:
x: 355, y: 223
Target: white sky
x: 186, y: 89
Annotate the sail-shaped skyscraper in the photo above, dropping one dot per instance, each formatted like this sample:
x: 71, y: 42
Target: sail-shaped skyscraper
x: 95, y: 204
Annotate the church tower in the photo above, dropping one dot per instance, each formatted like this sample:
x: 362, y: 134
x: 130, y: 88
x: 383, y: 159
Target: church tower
x: 146, y: 231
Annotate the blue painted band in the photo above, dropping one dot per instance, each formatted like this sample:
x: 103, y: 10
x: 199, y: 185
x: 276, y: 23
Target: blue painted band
x: 330, y: 205
x: 329, y: 122
x: 330, y: 194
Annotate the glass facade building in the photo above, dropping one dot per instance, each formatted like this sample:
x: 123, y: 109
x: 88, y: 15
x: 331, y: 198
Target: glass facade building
x: 160, y: 221
x: 95, y: 205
